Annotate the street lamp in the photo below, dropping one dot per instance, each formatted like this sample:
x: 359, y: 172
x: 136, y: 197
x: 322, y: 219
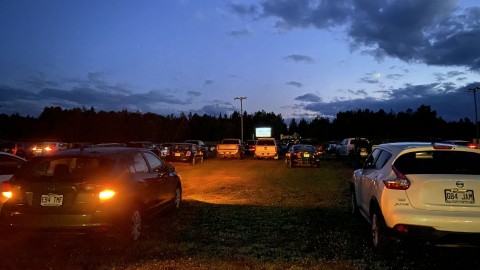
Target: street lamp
x: 241, y: 114
x: 474, y: 91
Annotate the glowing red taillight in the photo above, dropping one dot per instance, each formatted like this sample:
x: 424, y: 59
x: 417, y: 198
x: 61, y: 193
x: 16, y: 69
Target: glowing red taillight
x: 401, y: 182
x: 472, y: 146
x: 7, y: 190
x: 188, y: 153
x: 105, y: 192
x: 48, y: 149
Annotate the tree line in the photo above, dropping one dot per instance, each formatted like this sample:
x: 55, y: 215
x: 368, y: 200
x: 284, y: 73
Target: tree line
x: 89, y: 125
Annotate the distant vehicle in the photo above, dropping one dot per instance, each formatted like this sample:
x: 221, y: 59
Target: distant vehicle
x: 185, y: 152
x: 250, y: 147
x: 231, y: 148
x: 331, y: 148
x: 49, y: 147
x: 9, y: 164
x: 347, y: 146
x: 462, y: 142
x: 266, y: 148
x: 79, y: 145
x: 112, y: 144
x: 164, y: 148
x: 203, y: 147
x: 21, y: 149
x: 145, y: 145
x: 424, y: 192
x: 105, y: 191
x: 302, y: 155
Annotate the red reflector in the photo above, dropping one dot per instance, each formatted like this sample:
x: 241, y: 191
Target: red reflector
x: 188, y: 153
x: 401, y: 228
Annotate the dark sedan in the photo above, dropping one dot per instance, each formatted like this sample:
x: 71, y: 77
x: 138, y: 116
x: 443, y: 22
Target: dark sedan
x: 302, y: 155
x: 106, y: 191
x: 185, y: 152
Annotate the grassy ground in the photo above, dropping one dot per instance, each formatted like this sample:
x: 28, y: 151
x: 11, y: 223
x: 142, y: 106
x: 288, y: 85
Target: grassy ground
x: 251, y: 214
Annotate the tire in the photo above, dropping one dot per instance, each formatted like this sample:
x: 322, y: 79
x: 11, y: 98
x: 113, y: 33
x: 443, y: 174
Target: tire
x: 378, y: 228
x: 177, y: 200
x: 131, y: 228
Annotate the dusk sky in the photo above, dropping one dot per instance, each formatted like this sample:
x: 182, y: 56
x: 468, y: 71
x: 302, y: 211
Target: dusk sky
x: 297, y: 58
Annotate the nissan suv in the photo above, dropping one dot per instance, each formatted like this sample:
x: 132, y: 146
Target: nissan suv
x: 420, y: 192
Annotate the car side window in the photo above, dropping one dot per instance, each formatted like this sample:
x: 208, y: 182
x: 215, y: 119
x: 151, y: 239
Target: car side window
x: 370, y: 163
x: 382, y: 159
x: 154, y: 161
x: 139, y: 163
x: 8, y: 165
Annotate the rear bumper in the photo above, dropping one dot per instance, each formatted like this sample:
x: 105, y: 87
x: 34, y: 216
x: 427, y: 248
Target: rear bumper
x: 439, y: 227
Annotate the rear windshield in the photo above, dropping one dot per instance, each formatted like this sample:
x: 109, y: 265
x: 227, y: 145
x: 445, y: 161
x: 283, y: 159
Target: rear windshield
x: 265, y: 142
x: 439, y: 162
x: 69, y: 169
x: 180, y: 147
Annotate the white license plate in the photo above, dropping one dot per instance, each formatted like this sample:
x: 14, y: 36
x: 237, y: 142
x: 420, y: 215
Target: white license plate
x: 459, y: 196
x: 51, y: 200
x: 306, y: 155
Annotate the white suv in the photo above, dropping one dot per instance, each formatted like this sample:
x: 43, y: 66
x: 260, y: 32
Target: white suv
x: 420, y: 191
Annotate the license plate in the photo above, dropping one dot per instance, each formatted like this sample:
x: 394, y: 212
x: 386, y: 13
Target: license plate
x: 177, y: 154
x: 51, y: 200
x: 459, y: 196
x: 306, y: 154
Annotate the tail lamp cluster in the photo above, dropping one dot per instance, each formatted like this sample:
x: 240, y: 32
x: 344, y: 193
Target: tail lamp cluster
x: 401, y: 182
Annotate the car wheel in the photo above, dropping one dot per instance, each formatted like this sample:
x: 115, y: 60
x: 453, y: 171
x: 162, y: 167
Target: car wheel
x: 132, y: 227
x: 177, y: 201
x: 378, y: 231
x: 290, y: 164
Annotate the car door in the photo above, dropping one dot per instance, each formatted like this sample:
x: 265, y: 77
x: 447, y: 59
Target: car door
x: 364, y: 181
x: 147, y: 183
x: 165, y: 182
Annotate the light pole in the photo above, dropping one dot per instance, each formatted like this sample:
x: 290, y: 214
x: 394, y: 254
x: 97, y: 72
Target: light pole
x: 241, y: 114
x: 474, y: 91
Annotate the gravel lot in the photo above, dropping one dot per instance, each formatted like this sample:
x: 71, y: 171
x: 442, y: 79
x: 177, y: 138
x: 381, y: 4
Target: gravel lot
x: 244, y: 214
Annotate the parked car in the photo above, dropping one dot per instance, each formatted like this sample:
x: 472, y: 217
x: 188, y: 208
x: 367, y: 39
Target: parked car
x: 146, y: 145
x: 230, y: 148
x: 462, y: 142
x: 21, y: 149
x: 185, y: 152
x: 106, y: 191
x: 266, y: 148
x: 302, y: 155
x: 9, y: 164
x: 203, y: 147
x: 347, y: 145
x: 49, y: 147
x: 250, y: 147
x: 421, y: 192
x: 331, y: 148
x: 164, y: 148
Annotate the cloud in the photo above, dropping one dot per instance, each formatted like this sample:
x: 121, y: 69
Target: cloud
x: 208, y: 82
x: 450, y: 103
x: 428, y: 31
x: 309, y: 98
x: 296, y: 84
x: 240, y: 33
x: 194, y: 93
x: 300, y: 58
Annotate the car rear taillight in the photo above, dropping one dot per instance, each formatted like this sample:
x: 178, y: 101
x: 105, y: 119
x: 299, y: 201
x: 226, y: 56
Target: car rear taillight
x: 401, y: 182
x: 7, y: 190
x: 106, y: 194
x: 188, y: 153
x: 48, y: 148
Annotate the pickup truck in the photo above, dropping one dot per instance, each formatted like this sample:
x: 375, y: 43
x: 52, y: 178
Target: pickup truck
x: 266, y: 148
x: 231, y: 148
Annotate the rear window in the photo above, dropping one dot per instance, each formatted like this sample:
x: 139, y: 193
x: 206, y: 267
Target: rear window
x: 266, y: 142
x: 439, y: 162
x: 69, y: 169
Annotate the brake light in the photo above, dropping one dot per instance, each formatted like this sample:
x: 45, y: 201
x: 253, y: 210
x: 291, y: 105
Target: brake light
x: 188, y: 153
x: 401, y: 182
x: 106, y: 194
x: 48, y: 148
x: 6, y: 190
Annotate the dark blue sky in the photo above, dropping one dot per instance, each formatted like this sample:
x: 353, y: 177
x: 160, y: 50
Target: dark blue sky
x: 302, y: 58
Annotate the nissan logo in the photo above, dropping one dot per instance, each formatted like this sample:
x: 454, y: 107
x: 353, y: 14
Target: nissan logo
x: 459, y: 184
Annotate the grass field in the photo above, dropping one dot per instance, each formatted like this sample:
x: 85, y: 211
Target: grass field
x: 251, y: 214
